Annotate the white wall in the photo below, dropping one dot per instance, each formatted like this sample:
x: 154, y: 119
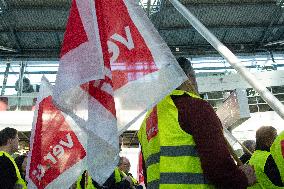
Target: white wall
x: 20, y: 120
x: 246, y: 131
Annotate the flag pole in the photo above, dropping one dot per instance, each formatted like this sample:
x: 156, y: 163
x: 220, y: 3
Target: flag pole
x: 271, y: 100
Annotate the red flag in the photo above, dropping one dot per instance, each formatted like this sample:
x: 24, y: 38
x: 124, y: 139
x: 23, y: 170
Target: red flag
x: 55, y: 148
x: 114, y: 66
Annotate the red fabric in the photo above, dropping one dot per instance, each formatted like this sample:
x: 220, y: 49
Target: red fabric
x: 131, y: 64
x: 282, y: 148
x: 75, y: 33
x: 140, y: 169
x: 51, y: 134
x: 198, y: 118
x: 100, y: 95
x: 152, y: 124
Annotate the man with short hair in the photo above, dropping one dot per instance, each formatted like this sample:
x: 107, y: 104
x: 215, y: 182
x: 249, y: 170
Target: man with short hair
x: 124, y: 168
x: 183, y: 144
x: 10, y: 177
x: 267, y: 173
x: 124, y: 165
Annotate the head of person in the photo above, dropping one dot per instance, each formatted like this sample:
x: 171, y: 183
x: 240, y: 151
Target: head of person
x: 250, y: 145
x: 9, y: 140
x: 21, y: 162
x: 124, y: 165
x: 265, y: 136
x: 189, y: 85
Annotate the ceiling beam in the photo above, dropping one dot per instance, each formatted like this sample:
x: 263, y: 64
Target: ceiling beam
x: 57, y: 6
x: 47, y: 29
x: 243, y: 26
x: 62, y: 29
x: 216, y: 3
x: 193, y: 49
x: 37, y: 54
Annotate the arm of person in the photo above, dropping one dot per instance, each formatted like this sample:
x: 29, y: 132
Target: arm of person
x: 216, y: 160
x: 8, y: 177
x: 272, y: 172
x: 200, y: 120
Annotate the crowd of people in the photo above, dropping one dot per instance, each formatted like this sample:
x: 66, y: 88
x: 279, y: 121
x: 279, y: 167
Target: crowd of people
x: 183, y: 147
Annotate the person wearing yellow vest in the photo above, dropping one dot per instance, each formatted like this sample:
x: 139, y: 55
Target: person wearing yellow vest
x: 123, y: 170
x: 118, y: 179
x: 267, y: 173
x: 10, y: 177
x: 183, y: 145
x: 277, y: 152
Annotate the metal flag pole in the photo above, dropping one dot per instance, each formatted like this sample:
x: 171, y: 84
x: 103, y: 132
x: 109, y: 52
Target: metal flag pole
x: 271, y: 100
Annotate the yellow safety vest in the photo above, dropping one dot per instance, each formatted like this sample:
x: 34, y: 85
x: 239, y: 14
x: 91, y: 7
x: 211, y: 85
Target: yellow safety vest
x: 135, y: 182
x: 277, y: 152
x: 118, y: 175
x: 20, y: 181
x: 89, y: 183
x: 258, y: 160
x: 170, y: 154
x: 78, y: 184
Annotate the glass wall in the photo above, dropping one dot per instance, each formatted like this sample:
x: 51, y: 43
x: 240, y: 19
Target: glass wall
x: 12, y: 81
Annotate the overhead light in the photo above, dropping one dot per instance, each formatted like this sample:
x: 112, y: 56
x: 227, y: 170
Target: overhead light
x: 7, y: 49
x: 177, y: 49
x: 281, y: 42
x: 280, y: 3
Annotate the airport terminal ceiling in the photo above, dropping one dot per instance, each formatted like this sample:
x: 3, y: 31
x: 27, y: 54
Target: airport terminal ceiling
x: 35, y: 28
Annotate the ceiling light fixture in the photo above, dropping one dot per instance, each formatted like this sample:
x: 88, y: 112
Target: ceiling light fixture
x: 7, y: 49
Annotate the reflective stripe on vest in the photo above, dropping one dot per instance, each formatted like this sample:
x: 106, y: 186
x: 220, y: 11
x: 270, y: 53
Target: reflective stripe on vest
x: 170, y: 153
x: 189, y: 150
x: 20, y: 181
x: 277, y: 152
x: 258, y: 160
